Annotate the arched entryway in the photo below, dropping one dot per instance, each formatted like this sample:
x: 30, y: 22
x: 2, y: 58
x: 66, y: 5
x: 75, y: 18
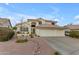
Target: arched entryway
x: 33, y: 25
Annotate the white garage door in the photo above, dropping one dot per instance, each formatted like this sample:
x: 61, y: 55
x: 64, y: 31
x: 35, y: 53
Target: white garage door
x: 47, y: 33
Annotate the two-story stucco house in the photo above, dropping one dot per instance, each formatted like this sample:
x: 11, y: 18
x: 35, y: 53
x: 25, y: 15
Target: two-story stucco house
x: 41, y: 27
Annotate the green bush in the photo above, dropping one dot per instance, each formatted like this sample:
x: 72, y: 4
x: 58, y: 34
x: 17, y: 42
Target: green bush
x: 56, y: 53
x: 6, y: 34
x: 14, y: 28
x: 74, y: 34
x: 21, y: 41
x: 31, y: 35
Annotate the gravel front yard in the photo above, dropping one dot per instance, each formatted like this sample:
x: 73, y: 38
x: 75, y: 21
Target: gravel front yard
x: 35, y: 46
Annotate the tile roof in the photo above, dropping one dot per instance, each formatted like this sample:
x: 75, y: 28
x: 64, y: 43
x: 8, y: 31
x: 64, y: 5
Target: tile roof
x: 38, y: 19
x: 46, y: 26
x: 5, y: 21
x: 73, y: 27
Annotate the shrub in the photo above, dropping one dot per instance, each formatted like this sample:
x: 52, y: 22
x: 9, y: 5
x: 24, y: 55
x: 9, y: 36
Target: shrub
x: 6, y: 34
x: 56, y: 53
x: 74, y: 34
x: 14, y: 28
x: 31, y: 35
x: 18, y: 32
x: 21, y: 41
x: 67, y: 33
x: 38, y: 36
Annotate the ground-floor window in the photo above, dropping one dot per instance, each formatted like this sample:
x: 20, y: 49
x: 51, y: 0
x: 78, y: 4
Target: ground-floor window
x: 24, y: 29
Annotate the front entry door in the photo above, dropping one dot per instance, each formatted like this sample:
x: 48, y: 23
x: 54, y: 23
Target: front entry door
x: 33, y: 31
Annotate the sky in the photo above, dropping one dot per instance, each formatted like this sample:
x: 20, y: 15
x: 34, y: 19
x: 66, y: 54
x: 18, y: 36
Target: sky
x: 63, y: 13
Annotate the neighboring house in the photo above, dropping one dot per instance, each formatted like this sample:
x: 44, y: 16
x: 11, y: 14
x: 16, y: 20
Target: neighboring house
x: 4, y: 22
x: 42, y: 27
x: 73, y: 27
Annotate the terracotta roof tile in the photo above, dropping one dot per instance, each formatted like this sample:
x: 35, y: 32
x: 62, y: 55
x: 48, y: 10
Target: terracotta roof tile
x: 46, y: 26
x: 38, y: 19
x: 73, y: 27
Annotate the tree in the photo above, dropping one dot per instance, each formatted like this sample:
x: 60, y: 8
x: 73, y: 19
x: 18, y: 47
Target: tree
x: 14, y: 28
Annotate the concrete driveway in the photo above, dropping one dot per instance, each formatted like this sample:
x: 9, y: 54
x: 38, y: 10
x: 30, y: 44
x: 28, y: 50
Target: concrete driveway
x: 64, y: 45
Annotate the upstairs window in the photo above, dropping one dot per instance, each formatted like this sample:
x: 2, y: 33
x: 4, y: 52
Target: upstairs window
x: 53, y: 23
x: 40, y: 22
x: 33, y: 24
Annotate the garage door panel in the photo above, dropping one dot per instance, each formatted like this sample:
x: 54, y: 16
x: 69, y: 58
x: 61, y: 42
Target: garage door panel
x: 51, y: 33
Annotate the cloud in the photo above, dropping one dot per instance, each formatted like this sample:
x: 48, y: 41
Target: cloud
x: 3, y: 10
x: 6, y: 3
x: 76, y: 17
x: 24, y: 16
x: 76, y: 22
x: 56, y: 19
x: 14, y: 17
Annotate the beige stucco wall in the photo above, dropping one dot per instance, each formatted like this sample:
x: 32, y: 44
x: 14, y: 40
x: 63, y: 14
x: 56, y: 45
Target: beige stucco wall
x: 48, y: 23
x: 18, y: 28
x: 49, y: 33
x: 23, y: 25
